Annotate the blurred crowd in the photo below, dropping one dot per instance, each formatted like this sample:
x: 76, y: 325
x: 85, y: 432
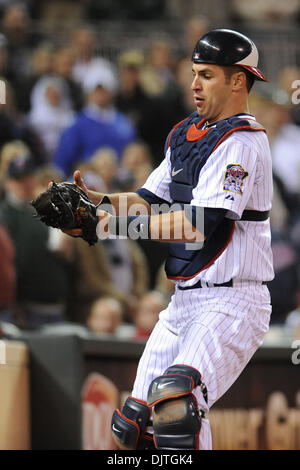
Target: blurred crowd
x: 64, y: 108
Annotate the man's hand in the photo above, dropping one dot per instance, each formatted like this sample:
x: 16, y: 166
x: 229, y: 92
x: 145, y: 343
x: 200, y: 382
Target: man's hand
x: 79, y: 181
x: 95, y: 197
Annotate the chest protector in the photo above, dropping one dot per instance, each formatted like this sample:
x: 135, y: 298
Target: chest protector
x: 190, y: 149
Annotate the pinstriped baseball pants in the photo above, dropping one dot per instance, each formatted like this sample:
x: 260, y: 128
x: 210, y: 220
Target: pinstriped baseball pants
x: 215, y: 330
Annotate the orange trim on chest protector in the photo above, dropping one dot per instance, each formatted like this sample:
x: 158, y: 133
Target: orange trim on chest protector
x: 193, y: 134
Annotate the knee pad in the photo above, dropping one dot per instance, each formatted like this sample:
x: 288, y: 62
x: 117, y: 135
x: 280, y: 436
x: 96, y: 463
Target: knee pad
x: 176, y: 418
x: 128, y: 427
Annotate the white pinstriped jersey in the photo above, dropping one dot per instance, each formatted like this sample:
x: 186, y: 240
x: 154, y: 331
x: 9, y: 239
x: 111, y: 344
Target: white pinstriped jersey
x: 248, y: 256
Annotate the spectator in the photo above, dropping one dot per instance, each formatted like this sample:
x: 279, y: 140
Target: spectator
x: 137, y: 158
x: 41, y: 64
x: 51, y: 111
x: 105, y: 316
x: 157, y: 74
x: 21, y: 40
x: 83, y: 45
x: 98, y: 125
x: 41, y: 61
x: 42, y: 280
x: 271, y: 12
x: 92, y: 281
x: 280, y: 214
x: 105, y: 163
x: 293, y: 322
x: 286, y: 156
x: 132, y: 99
x: 149, y: 307
x: 269, y: 113
x: 4, y: 68
x: 135, y: 155
x: 8, y: 128
x: 140, y: 107
x: 285, y: 287
x: 14, y: 127
x: 7, y: 276
x: 194, y: 28
x: 124, y: 181
x: 128, y: 266
x: 131, y: 9
x: 10, y: 151
x: 63, y: 63
x: 287, y: 76
x: 286, y: 143
x: 114, y: 268
x: 56, y: 13
x: 44, y: 175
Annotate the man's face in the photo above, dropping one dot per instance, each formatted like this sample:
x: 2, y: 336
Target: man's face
x: 24, y: 188
x: 212, y: 93
x: 101, y: 97
x: 104, y: 318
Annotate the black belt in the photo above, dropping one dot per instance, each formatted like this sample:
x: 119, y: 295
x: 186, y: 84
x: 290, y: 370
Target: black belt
x: 258, y: 216
x: 224, y: 284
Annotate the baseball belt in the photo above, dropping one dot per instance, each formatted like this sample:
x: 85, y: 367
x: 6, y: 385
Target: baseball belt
x: 224, y: 284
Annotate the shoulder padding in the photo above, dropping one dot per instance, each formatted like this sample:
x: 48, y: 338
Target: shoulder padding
x: 255, y: 125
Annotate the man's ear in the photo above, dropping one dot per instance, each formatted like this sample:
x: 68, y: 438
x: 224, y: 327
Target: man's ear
x: 238, y: 81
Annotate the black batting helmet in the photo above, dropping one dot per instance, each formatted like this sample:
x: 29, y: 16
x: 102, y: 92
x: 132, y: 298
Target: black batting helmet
x: 227, y: 47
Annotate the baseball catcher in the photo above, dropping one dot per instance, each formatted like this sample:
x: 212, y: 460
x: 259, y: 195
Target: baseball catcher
x: 66, y: 206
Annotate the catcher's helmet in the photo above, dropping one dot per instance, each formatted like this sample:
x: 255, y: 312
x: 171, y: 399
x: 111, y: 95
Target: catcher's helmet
x: 227, y: 47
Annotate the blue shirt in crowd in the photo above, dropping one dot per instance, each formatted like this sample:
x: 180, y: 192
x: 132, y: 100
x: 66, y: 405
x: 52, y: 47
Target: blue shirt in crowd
x: 93, y: 128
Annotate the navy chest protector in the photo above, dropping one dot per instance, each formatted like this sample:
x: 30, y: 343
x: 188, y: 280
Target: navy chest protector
x: 190, y: 148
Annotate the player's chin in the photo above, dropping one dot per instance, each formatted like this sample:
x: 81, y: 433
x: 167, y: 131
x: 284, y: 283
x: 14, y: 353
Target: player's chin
x: 201, y: 109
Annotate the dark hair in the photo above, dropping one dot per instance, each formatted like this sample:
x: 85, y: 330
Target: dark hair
x: 229, y: 70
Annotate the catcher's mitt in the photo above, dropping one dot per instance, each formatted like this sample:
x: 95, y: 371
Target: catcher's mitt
x: 67, y: 206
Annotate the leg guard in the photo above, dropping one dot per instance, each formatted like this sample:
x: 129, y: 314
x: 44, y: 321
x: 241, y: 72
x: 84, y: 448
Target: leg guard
x: 128, y: 427
x: 176, y: 418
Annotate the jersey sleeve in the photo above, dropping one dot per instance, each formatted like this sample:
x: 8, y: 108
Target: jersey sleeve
x: 160, y: 178
x: 227, y: 179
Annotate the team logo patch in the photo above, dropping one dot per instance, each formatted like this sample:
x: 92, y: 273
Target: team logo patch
x: 234, y: 178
